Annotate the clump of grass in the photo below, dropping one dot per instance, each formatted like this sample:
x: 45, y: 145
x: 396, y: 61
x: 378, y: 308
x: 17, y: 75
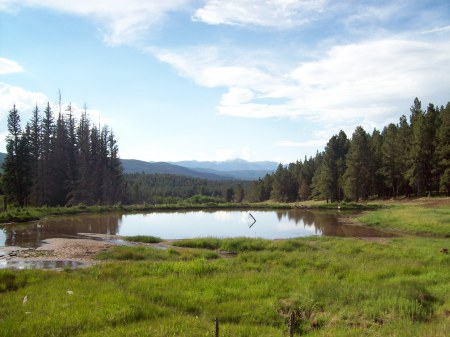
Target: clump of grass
x: 140, y: 253
x: 143, y: 239
x: 233, y: 245
x: 203, y: 243
x: 7, y: 281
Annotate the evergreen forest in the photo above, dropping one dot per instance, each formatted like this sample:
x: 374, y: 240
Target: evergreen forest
x: 170, y: 189
x: 410, y: 158
x: 60, y: 162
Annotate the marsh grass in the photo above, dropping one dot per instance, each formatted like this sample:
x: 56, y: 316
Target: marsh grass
x: 143, y: 239
x: 417, y: 219
x: 337, y: 287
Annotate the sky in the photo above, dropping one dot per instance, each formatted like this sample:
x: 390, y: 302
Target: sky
x: 217, y: 80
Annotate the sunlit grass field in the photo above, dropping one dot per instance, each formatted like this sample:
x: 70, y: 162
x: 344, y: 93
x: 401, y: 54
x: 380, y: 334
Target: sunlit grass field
x: 415, y: 217
x: 336, y: 287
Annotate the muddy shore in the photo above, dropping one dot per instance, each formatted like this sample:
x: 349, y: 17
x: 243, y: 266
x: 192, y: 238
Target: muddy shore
x: 58, y: 249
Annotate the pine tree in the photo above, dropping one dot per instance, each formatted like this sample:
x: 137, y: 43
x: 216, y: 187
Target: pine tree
x: 35, y: 157
x: 16, y: 167
x: 357, y: 175
x: 328, y: 183
x: 284, y: 188
x: 443, y: 150
x: 391, y: 167
x: 60, y: 164
x: 422, y: 148
x: 46, y: 164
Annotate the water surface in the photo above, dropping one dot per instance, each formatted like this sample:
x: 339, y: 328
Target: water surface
x: 180, y: 225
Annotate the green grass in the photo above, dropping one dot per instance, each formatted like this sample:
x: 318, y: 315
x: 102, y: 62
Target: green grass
x: 337, y: 287
x: 415, y: 219
x: 143, y: 239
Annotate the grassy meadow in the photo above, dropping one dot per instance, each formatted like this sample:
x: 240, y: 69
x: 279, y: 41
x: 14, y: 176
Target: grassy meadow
x: 335, y: 286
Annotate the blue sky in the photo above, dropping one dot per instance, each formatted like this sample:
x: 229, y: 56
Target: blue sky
x: 216, y: 80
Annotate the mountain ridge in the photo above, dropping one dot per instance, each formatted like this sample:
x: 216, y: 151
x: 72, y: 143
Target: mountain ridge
x: 234, y: 169
x: 236, y: 164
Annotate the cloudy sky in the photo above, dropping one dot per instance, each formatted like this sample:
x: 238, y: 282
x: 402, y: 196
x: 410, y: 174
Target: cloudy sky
x: 215, y: 80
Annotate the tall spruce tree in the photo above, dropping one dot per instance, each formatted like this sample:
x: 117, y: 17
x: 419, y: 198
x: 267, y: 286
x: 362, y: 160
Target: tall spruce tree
x: 16, y: 167
x: 357, y: 175
x: 328, y: 183
x: 422, y: 148
x: 391, y: 167
x: 443, y: 150
x: 35, y: 138
x: 46, y: 165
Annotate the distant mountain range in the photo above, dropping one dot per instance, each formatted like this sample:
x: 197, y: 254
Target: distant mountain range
x: 236, y: 169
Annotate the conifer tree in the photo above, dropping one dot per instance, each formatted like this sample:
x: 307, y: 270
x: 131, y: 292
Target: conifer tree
x: 443, y: 150
x: 35, y: 156
x: 357, y: 174
x: 391, y: 160
x: 16, y: 167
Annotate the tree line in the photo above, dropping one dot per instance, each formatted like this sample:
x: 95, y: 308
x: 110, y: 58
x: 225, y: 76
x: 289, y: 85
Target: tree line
x: 167, y: 188
x: 60, y: 162
x: 407, y: 158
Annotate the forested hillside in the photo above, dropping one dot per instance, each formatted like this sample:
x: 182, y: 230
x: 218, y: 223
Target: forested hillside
x: 167, y: 188
x: 407, y: 158
x: 60, y: 162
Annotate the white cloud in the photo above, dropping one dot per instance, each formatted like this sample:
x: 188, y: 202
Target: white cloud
x: 212, y: 67
x: 121, y: 21
x: 9, y: 66
x: 369, y: 83
x: 271, y: 13
x: 24, y: 100
x: 237, y: 96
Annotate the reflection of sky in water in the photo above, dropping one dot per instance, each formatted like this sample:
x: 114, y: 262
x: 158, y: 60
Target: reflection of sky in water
x: 216, y: 224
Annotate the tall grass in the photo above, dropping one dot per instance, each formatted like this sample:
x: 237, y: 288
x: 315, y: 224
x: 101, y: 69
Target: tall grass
x: 412, y: 219
x: 336, y: 287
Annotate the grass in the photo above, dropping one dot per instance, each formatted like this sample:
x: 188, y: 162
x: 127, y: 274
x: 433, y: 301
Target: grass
x: 414, y: 219
x: 336, y: 287
x: 143, y: 239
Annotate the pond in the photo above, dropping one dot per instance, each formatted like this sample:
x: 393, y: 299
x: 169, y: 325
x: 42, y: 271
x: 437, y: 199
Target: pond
x: 189, y: 224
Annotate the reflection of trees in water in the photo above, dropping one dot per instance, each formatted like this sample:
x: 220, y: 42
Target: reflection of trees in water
x: 30, y: 234
x: 326, y: 223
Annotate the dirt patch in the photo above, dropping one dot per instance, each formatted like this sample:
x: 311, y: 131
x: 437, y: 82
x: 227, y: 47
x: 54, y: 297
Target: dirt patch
x: 80, y: 251
x: 71, y: 249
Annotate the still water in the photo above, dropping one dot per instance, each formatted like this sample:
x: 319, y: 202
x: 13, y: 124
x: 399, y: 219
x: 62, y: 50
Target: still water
x: 180, y: 225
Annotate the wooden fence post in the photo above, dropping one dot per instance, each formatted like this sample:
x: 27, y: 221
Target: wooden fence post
x: 291, y: 324
x: 216, y: 330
